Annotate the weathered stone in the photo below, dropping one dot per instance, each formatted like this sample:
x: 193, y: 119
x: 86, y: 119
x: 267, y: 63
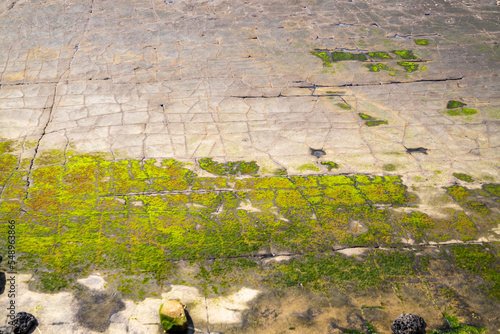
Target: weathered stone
x: 409, y: 324
x: 172, y: 317
x: 23, y: 323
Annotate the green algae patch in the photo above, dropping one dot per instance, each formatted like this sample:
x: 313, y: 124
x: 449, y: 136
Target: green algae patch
x: 50, y: 158
x: 330, y: 165
x: 378, y: 67
x: 409, y: 66
x: 421, y: 41
x: 389, y: 167
x: 371, y: 121
x: 461, y: 111
x: 379, y: 55
x: 343, y: 56
x: 479, y: 260
x: 453, y: 112
x: 366, y: 116
x: 492, y: 189
x: 470, y: 199
x: 322, y: 272
x: 324, y: 56
x: 144, y: 217
x: 308, y: 167
x: 229, y: 168
x: 405, y: 54
x: 50, y: 282
x: 280, y: 171
x: 463, y: 177
x: 469, y: 111
x: 452, y: 104
x: 457, y: 108
x: 376, y: 123
x: 456, y: 327
x: 344, y: 106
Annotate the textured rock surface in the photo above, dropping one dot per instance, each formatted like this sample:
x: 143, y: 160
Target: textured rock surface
x: 24, y: 323
x: 408, y: 324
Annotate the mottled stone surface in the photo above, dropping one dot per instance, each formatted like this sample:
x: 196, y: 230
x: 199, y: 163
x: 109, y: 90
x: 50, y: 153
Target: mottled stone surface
x: 233, y: 80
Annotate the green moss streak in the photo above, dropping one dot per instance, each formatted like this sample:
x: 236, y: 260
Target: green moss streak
x: 370, y: 120
x: 344, y: 106
x: 366, y: 117
x: 376, y: 123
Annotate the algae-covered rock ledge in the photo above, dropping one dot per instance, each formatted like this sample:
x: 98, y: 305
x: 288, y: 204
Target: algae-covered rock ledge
x: 147, y: 224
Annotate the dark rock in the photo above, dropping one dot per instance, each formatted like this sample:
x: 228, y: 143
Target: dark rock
x: 317, y: 153
x: 3, y: 282
x: 24, y: 323
x: 409, y: 324
x: 417, y: 150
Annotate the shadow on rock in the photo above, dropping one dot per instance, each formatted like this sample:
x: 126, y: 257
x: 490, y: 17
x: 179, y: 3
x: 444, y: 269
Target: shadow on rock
x: 95, y: 309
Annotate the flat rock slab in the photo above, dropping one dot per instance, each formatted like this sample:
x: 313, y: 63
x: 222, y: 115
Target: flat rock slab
x: 369, y: 84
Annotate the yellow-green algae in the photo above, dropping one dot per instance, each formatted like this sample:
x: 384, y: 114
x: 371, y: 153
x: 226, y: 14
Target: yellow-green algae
x: 456, y: 327
x: 421, y: 41
x: 142, y: 217
x: 409, y: 66
x: 370, y: 120
x: 378, y: 67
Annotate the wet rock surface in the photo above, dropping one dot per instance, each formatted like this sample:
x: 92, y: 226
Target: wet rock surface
x: 96, y: 308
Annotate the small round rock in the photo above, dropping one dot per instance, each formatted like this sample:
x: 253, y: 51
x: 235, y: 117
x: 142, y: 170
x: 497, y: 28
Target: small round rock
x: 409, y: 324
x: 173, y: 317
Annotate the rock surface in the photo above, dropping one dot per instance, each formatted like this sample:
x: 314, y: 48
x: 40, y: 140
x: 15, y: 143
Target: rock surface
x: 409, y: 324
